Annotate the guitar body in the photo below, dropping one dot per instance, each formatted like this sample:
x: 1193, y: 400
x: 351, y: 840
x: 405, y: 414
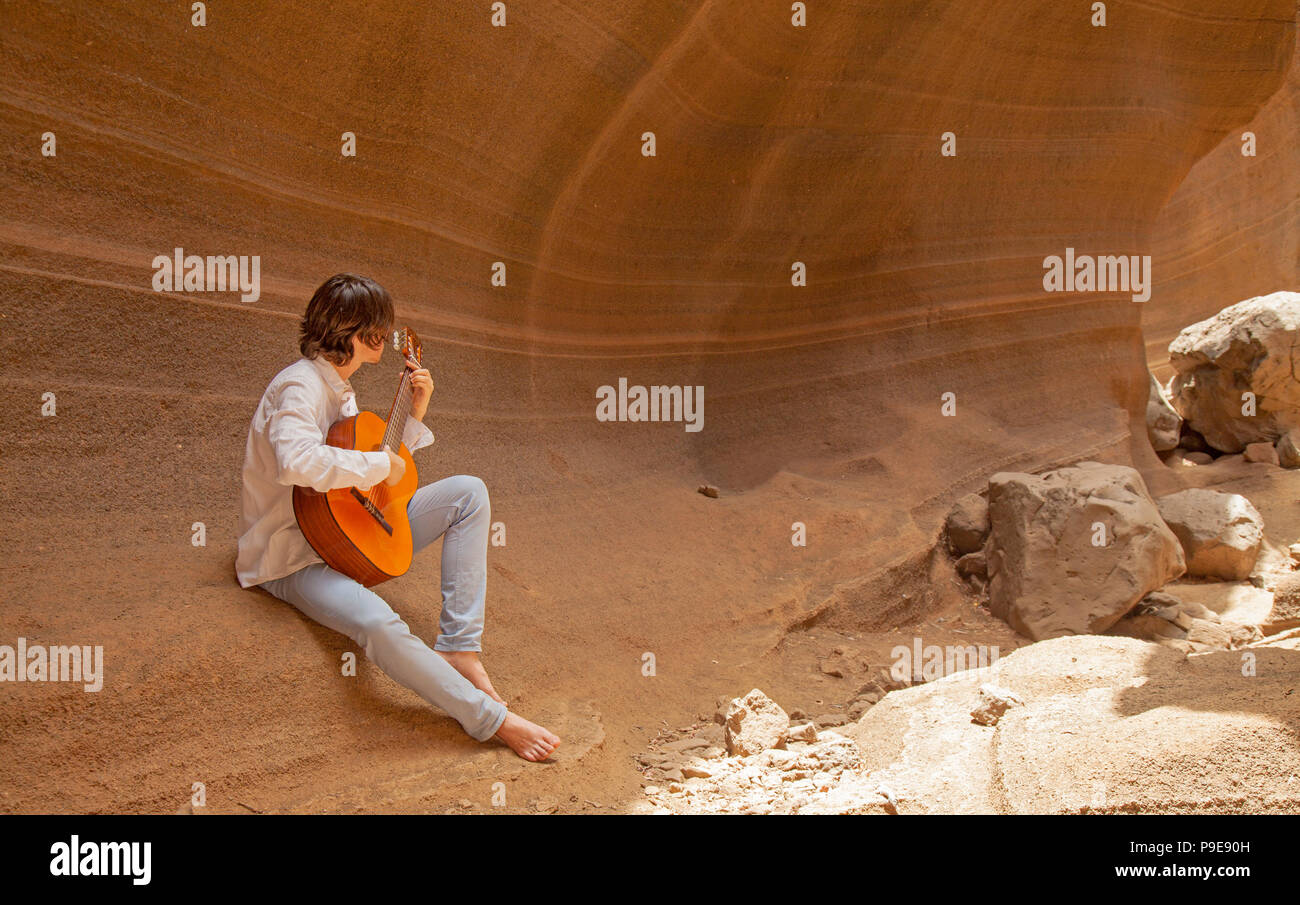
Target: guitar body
x: 340, y: 525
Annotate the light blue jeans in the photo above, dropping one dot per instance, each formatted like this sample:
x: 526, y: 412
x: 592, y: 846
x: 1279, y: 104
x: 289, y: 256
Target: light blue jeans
x: 459, y: 508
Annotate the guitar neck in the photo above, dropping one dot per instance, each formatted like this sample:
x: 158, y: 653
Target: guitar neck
x: 399, y: 411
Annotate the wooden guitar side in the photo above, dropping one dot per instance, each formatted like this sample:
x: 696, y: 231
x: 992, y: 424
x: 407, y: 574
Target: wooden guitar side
x: 336, y: 524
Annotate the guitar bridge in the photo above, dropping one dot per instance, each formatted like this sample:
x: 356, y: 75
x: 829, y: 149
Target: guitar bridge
x: 373, y: 510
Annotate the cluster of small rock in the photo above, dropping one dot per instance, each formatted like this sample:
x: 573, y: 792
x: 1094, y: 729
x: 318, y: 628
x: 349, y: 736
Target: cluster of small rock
x: 1185, y: 625
x: 868, y: 694
x: 1034, y: 545
x: 767, y: 763
x: 770, y: 764
x: 674, y: 762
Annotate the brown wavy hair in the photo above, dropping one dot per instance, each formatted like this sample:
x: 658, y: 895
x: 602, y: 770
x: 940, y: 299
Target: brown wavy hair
x: 343, y: 306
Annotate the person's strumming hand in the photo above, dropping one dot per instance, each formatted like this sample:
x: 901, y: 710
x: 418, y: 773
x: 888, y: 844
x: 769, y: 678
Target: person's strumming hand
x: 398, y: 468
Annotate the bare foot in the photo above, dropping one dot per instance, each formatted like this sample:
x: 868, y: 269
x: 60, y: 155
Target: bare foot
x: 529, y: 740
x: 467, y: 663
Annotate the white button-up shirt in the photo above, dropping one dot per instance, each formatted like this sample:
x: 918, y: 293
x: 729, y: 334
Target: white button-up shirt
x: 286, y: 446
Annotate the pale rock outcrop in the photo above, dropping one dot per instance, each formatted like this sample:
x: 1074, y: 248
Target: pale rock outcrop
x: 1047, y: 577
x: 1113, y: 725
x: 1091, y: 724
x: 1163, y: 421
x: 1220, y: 533
x: 755, y: 723
x: 1248, y: 347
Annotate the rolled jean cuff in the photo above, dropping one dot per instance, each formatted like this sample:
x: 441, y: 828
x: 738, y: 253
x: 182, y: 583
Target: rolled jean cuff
x: 458, y: 645
x: 495, y: 723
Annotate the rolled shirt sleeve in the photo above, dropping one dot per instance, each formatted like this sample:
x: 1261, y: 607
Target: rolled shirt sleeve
x: 304, y: 458
x: 415, y: 435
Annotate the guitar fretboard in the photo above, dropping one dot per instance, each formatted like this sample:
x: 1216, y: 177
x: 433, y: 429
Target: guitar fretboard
x: 398, y: 414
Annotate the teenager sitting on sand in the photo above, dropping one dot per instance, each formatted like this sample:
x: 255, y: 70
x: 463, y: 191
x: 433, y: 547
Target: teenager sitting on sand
x: 346, y: 326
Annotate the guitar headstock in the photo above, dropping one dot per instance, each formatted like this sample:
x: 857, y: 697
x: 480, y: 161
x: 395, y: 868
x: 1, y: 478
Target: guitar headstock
x: 406, y: 342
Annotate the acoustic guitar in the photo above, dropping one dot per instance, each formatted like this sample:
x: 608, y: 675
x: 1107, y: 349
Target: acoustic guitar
x: 365, y: 534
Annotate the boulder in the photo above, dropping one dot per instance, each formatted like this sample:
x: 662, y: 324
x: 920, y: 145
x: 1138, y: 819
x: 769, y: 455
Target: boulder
x: 1220, y: 533
x: 1072, y: 550
x: 968, y: 524
x: 1245, y: 348
x: 1288, y: 449
x: 1262, y: 452
x: 754, y: 723
x: 1164, y: 424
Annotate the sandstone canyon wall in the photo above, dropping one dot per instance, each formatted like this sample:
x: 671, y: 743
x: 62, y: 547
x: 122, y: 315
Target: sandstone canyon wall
x: 523, y: 145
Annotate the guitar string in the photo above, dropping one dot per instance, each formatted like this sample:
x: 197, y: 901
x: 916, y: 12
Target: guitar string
x: 392, y: 432
x: 396, y: 416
